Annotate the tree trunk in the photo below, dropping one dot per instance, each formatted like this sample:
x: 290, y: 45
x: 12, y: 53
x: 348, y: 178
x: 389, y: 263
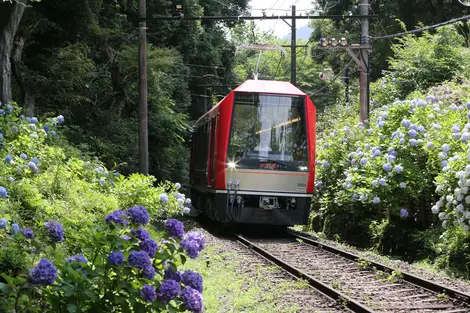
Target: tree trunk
x: 28, y: 100
x: 7, y: 35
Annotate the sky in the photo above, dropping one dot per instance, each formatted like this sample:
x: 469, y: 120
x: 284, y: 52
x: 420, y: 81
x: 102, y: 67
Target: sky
x: 279, y: 7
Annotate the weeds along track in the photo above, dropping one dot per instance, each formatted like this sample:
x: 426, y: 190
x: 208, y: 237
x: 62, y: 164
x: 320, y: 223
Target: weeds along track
x: 299, y: 299
x: 358, y: 284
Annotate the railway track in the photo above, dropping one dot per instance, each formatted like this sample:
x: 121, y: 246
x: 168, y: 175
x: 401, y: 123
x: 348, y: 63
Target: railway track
x: 360, y: 285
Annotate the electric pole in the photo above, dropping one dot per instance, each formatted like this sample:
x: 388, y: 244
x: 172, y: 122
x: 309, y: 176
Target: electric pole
x: 364, y: 68
x: 143, y: 109
x: 293, y: 52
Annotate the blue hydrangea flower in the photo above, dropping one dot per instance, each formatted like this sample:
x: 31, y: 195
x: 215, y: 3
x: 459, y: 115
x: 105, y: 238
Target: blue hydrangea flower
x: 34, y: 160
x: 453, y: 107
x: 192, y: 300
x: 169, y: 274
x: 376, y: 200
x: 188, y: 201
x: 421, y: 129
x: 9, y: 108
x: 406, y: 123
x: 3, y: 192
x: 193, y: 243
x: 446, y: 147
x: 186, y: 210
x: 387, y: 167
x: 116, y: 217
x: 431, y: 98
x: 138, y: 215
x: 1, y: 136
x: 391, y: 158
x: 178, y: 185
x: 28, y: 233
x: 3, y: 223
x: 465, y: 137
x: 403, y: 185
x: 412, y: 133
x: 175, y: 228
x: 193, y: 280
x: 46, y: 128
x: 23, y: 156
x: 60, y: 119
x: 32, y: 127
x: 139, y: 259
x: 398, y: 169
x: 102, y: 181
x: 2, y: 112
x: 53, y: 133
x: 381, y: 124
x: 149, y: 246
x: 45, y: 273
x: 169, y: 289
x: 8, y: 158
x: 413, y: 142
x: 149, y: 272
x: 456, y: 128
x: 141, y: 233
x: 34, y: 120
x: 403, y: 213
x: 444, y: 163
x: 33, y: 167
x: 148, y: 293
x: 77, y: 258
x: 11, y: 179
x: 442, y: 155
x: 326, y: 164
x: 55, y: 231
x: 116, y: 258
x: 382, y: 181
x: 363, y: 161
x: 15, y: 229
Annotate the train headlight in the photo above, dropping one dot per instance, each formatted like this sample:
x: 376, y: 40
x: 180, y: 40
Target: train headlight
x: 232, y: 165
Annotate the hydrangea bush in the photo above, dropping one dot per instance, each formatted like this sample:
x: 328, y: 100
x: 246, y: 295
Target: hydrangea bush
x: 66, y: 244
x: 406, y: 170
x: 119, y: 267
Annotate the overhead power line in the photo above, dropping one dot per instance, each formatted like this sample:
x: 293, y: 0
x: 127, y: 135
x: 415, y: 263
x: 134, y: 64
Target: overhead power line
x: 244, y: 18
x: 418, y: 30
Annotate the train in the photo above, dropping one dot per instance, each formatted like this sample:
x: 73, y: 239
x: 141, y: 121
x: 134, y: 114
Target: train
x: 253, y: 156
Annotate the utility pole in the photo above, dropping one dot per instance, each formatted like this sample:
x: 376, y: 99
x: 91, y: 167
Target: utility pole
x: 143, y: 109
x: 364, y: 68
x: 346, y: 81
x: 293, y: 50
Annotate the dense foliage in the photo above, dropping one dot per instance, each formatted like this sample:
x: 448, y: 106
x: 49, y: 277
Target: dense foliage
x: 68, y: 243
x: 400, y: 182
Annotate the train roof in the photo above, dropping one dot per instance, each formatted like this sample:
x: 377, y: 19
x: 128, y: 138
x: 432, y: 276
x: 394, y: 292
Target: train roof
x: 262, y: 86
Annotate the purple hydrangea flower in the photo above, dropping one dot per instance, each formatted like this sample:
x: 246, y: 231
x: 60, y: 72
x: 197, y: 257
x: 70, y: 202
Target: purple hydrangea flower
x: 413, y: 142
x: 412, y: 133
x: 138, y: 215
x: 141, y: 233
x: 116, y: 217
x: 139, y: 259
x: 169, y: 274
x: 169, y: 289
x: 15, y: 229
x: 46, y: 128
x: 431, y: 98
x: 402, y: 185
x: 33, y: 167
x: 175, y: 227
x: 391, y: 158
x: 148, y: 293
x: 34, y: 120
x: 60, y: 119
x: 387, y: 167
x: 363, y: 161
x: 23, y: 156
x: 28, y: 233
x: 405, y: 123
x: 3, y: 223
x: 193, y: 280
x: 178, y: 185
x: 192, y: 300
x: 45, y: 273
x: 149, y: 272
x: 149, y: 246
x: 193, y: 243
x: 326, y: 164
x: 8, y: 158
x: 382, y: 181
x: 376, y: 200
x: 403, y: 213
x: 116, y: 258
x: 77, y: 258
x: 55, y: 231
x: 3, y: 192
x: 53, y: 133
x: 398, y: 169
x: 444, y: 163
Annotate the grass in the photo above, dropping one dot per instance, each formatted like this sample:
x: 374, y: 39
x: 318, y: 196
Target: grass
x: 229, y: 289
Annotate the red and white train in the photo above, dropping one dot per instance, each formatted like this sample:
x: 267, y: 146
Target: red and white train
x: 253, y: 156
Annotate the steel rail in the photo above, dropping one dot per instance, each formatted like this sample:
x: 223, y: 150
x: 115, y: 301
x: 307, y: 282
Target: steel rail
x: 351, y: 304
x: 413, y: 279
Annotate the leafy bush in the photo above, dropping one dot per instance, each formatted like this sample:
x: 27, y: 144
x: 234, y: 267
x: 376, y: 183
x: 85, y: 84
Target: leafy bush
x: 382, y: 179
x: 118, y: 267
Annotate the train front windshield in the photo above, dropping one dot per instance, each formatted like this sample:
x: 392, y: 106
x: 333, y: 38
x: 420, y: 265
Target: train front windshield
x: 268, y: 132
